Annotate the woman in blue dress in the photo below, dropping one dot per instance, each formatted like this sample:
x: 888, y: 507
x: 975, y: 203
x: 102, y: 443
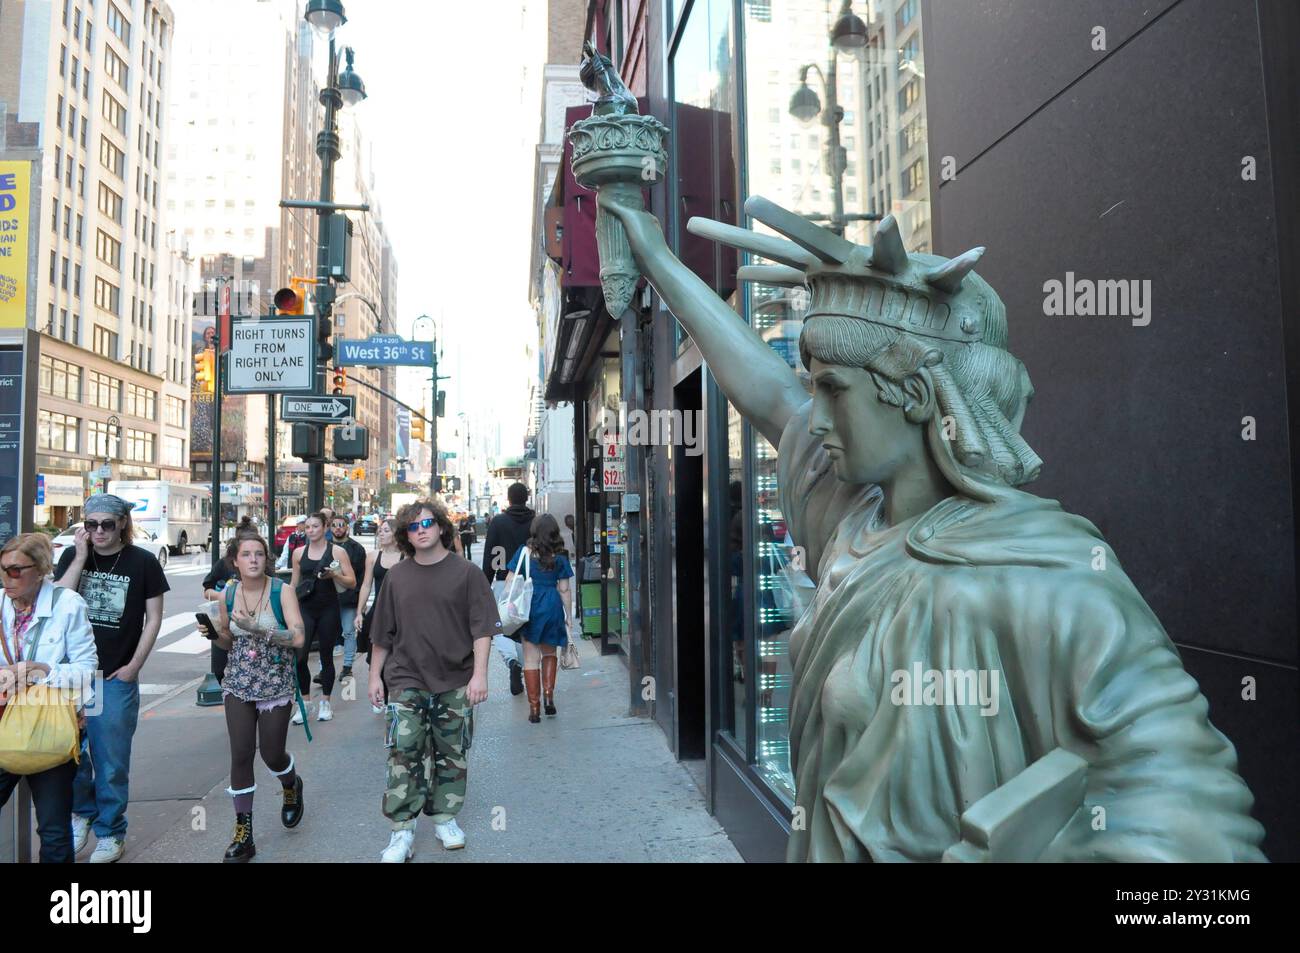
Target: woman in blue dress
x: 547, y: 627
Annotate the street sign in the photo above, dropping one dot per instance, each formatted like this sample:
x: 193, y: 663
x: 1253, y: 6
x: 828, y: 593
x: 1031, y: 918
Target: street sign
x: 271, y: 356
x: 384, y: 350
x: 318, y: 409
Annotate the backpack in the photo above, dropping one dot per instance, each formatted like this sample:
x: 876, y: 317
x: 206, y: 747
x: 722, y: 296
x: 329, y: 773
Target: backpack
x: 276, y: 586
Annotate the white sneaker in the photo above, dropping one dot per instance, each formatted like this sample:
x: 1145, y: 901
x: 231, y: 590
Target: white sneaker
x: 80, y: 832
x: 109, y: 850
x: 297, y: 715
x: 452, y: 837
x: 400, y: 848
x: 324, y: 713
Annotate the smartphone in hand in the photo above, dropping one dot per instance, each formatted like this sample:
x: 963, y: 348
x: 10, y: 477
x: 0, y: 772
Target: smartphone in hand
x: 206, y: 628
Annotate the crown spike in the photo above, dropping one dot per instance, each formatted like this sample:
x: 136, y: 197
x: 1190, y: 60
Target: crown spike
x: 948, y: 276
x: 772, y: 275
x: 825, y: 244
x: 768, y: 246
x: 887, y: 251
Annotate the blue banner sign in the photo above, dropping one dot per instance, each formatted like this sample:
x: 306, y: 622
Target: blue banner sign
x: 384, y: 350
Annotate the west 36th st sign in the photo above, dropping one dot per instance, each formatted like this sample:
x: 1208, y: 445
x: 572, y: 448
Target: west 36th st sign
x: 271, y: 356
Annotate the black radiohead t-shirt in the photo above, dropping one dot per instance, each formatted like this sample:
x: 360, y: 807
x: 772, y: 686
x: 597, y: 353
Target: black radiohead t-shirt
x: 115, y: 589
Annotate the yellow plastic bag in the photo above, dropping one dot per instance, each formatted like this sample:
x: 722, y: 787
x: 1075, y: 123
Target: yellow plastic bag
x: 38, y: 730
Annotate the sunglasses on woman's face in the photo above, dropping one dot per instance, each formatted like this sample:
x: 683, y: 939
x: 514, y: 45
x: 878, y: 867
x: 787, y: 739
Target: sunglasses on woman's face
x: 421, y: 524
x: 16, y: 571
x: 106, y: 525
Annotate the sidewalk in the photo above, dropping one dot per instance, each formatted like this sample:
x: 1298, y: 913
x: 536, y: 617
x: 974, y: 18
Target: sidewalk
x: 588, y: 785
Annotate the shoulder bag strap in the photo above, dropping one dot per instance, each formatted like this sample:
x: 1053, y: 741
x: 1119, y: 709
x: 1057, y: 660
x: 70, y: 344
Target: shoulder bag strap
x: 276, y: 586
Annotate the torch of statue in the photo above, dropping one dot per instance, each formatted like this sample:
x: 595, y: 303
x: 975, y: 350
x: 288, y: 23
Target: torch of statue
x: 622, y: 151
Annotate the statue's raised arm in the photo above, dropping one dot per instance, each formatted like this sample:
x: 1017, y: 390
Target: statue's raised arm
x: 618, y: 153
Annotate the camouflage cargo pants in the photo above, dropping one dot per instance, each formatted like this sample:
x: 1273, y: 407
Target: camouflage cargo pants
x: 428, y: 736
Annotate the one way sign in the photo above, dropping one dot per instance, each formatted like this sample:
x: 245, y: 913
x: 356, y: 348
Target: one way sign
x: 318, y: 409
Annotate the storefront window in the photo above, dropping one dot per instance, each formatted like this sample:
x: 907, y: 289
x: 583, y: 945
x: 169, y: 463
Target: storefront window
x: 733, y: 615
x: 704, y: 137
x: 840, y: 138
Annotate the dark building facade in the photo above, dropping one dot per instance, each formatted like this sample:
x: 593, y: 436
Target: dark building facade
x: 1149, y: 150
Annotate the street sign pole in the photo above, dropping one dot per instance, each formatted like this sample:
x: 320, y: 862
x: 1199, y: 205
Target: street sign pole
x: 223, y: 325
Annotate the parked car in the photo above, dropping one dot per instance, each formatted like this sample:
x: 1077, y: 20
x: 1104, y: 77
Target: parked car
x: 143, y: 538
x: 283, y: 533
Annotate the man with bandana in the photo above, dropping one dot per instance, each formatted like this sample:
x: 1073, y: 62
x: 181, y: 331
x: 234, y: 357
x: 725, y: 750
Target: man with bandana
x: 123, y: 586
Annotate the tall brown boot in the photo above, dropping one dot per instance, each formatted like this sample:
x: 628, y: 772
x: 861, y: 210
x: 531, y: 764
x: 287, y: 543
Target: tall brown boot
x: 533, y: 684
x: 549, y: 665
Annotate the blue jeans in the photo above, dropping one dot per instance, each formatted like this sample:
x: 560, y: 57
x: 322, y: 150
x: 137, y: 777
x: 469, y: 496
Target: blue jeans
x: 101, y: 790
x: 349, y: 616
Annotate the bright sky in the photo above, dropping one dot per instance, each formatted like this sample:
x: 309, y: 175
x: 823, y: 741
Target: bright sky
x: 454, y: 112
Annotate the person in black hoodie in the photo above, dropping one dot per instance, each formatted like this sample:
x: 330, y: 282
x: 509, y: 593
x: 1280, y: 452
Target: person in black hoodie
x: 505, y: 534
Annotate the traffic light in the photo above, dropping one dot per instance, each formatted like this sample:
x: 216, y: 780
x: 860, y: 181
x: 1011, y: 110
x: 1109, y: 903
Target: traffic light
x: 293, y: 299
x: 442, y: 403
x: 204, y: 372
x: 340, y: 380
x: 359, y: 473
x: 417, y: 428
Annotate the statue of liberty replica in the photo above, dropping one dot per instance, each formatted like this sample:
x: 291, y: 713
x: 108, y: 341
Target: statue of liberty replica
x: 900, y: 467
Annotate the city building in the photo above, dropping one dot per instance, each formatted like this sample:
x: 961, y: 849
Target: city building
x: 234, y: 153
x: 81, y: 88
x: 934, y: 113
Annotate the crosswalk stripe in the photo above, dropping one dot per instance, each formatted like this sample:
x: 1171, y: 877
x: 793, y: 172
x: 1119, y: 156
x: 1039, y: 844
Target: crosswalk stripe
x: 192, y: 644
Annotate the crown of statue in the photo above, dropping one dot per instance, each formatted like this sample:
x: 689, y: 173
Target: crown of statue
x: 881, y: 283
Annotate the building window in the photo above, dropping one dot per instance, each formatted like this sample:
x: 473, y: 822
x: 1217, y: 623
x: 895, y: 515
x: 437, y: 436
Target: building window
x: 111, y: 157
x: 108, y: 297
x: 55, y: 431
x: 110, y: 203
x: 114, y: 112
x: 116, y: 67
x: 59, y: 378
x: 102, y: 390
x: 101, y: 440
x: 173, y: 452
x: 914, y: 177
x: 119, y: 24
x: 108, y: 250
x: 174, y: 412
x: 140, y: 446
x: 141, y: 401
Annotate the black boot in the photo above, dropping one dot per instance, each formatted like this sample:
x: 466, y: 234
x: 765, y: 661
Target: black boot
x: 241, y: 849
x: 291, y: 809
x: 516, y: 678
x: 347, y: 672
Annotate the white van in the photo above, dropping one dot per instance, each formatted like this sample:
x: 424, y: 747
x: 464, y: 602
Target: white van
x: 179, y: 514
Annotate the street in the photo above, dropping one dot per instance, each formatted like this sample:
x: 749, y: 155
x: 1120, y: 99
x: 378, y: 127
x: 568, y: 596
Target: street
x: 588, y: 785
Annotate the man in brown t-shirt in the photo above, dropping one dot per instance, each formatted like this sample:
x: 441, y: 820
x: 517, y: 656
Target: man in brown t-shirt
x: 433, y: 626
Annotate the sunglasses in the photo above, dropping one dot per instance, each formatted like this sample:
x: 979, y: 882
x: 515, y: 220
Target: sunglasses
x: 421, y: 524
x: 106, y: 525
x: 16, y: 572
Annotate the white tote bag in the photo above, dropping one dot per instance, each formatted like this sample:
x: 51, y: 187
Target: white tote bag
x: 517, y: 603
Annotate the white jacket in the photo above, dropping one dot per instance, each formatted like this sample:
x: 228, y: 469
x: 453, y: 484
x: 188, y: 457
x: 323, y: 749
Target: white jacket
x: 59, y: 636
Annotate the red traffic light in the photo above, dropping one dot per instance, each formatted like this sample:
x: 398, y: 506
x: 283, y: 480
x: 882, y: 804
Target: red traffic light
x: 288, y: 301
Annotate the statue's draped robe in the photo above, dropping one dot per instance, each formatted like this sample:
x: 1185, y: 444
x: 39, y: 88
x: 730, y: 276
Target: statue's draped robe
x: 1083, y: 664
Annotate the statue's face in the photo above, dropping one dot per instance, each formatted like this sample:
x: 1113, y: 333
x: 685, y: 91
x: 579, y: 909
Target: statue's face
x: 868, y: 440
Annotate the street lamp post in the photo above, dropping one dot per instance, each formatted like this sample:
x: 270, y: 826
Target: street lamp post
x: 848, y: 34
x: 341, y: 89
x: 435, y: 479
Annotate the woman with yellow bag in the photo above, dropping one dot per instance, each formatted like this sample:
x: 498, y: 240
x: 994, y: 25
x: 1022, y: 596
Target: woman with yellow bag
x: 47, y: 668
